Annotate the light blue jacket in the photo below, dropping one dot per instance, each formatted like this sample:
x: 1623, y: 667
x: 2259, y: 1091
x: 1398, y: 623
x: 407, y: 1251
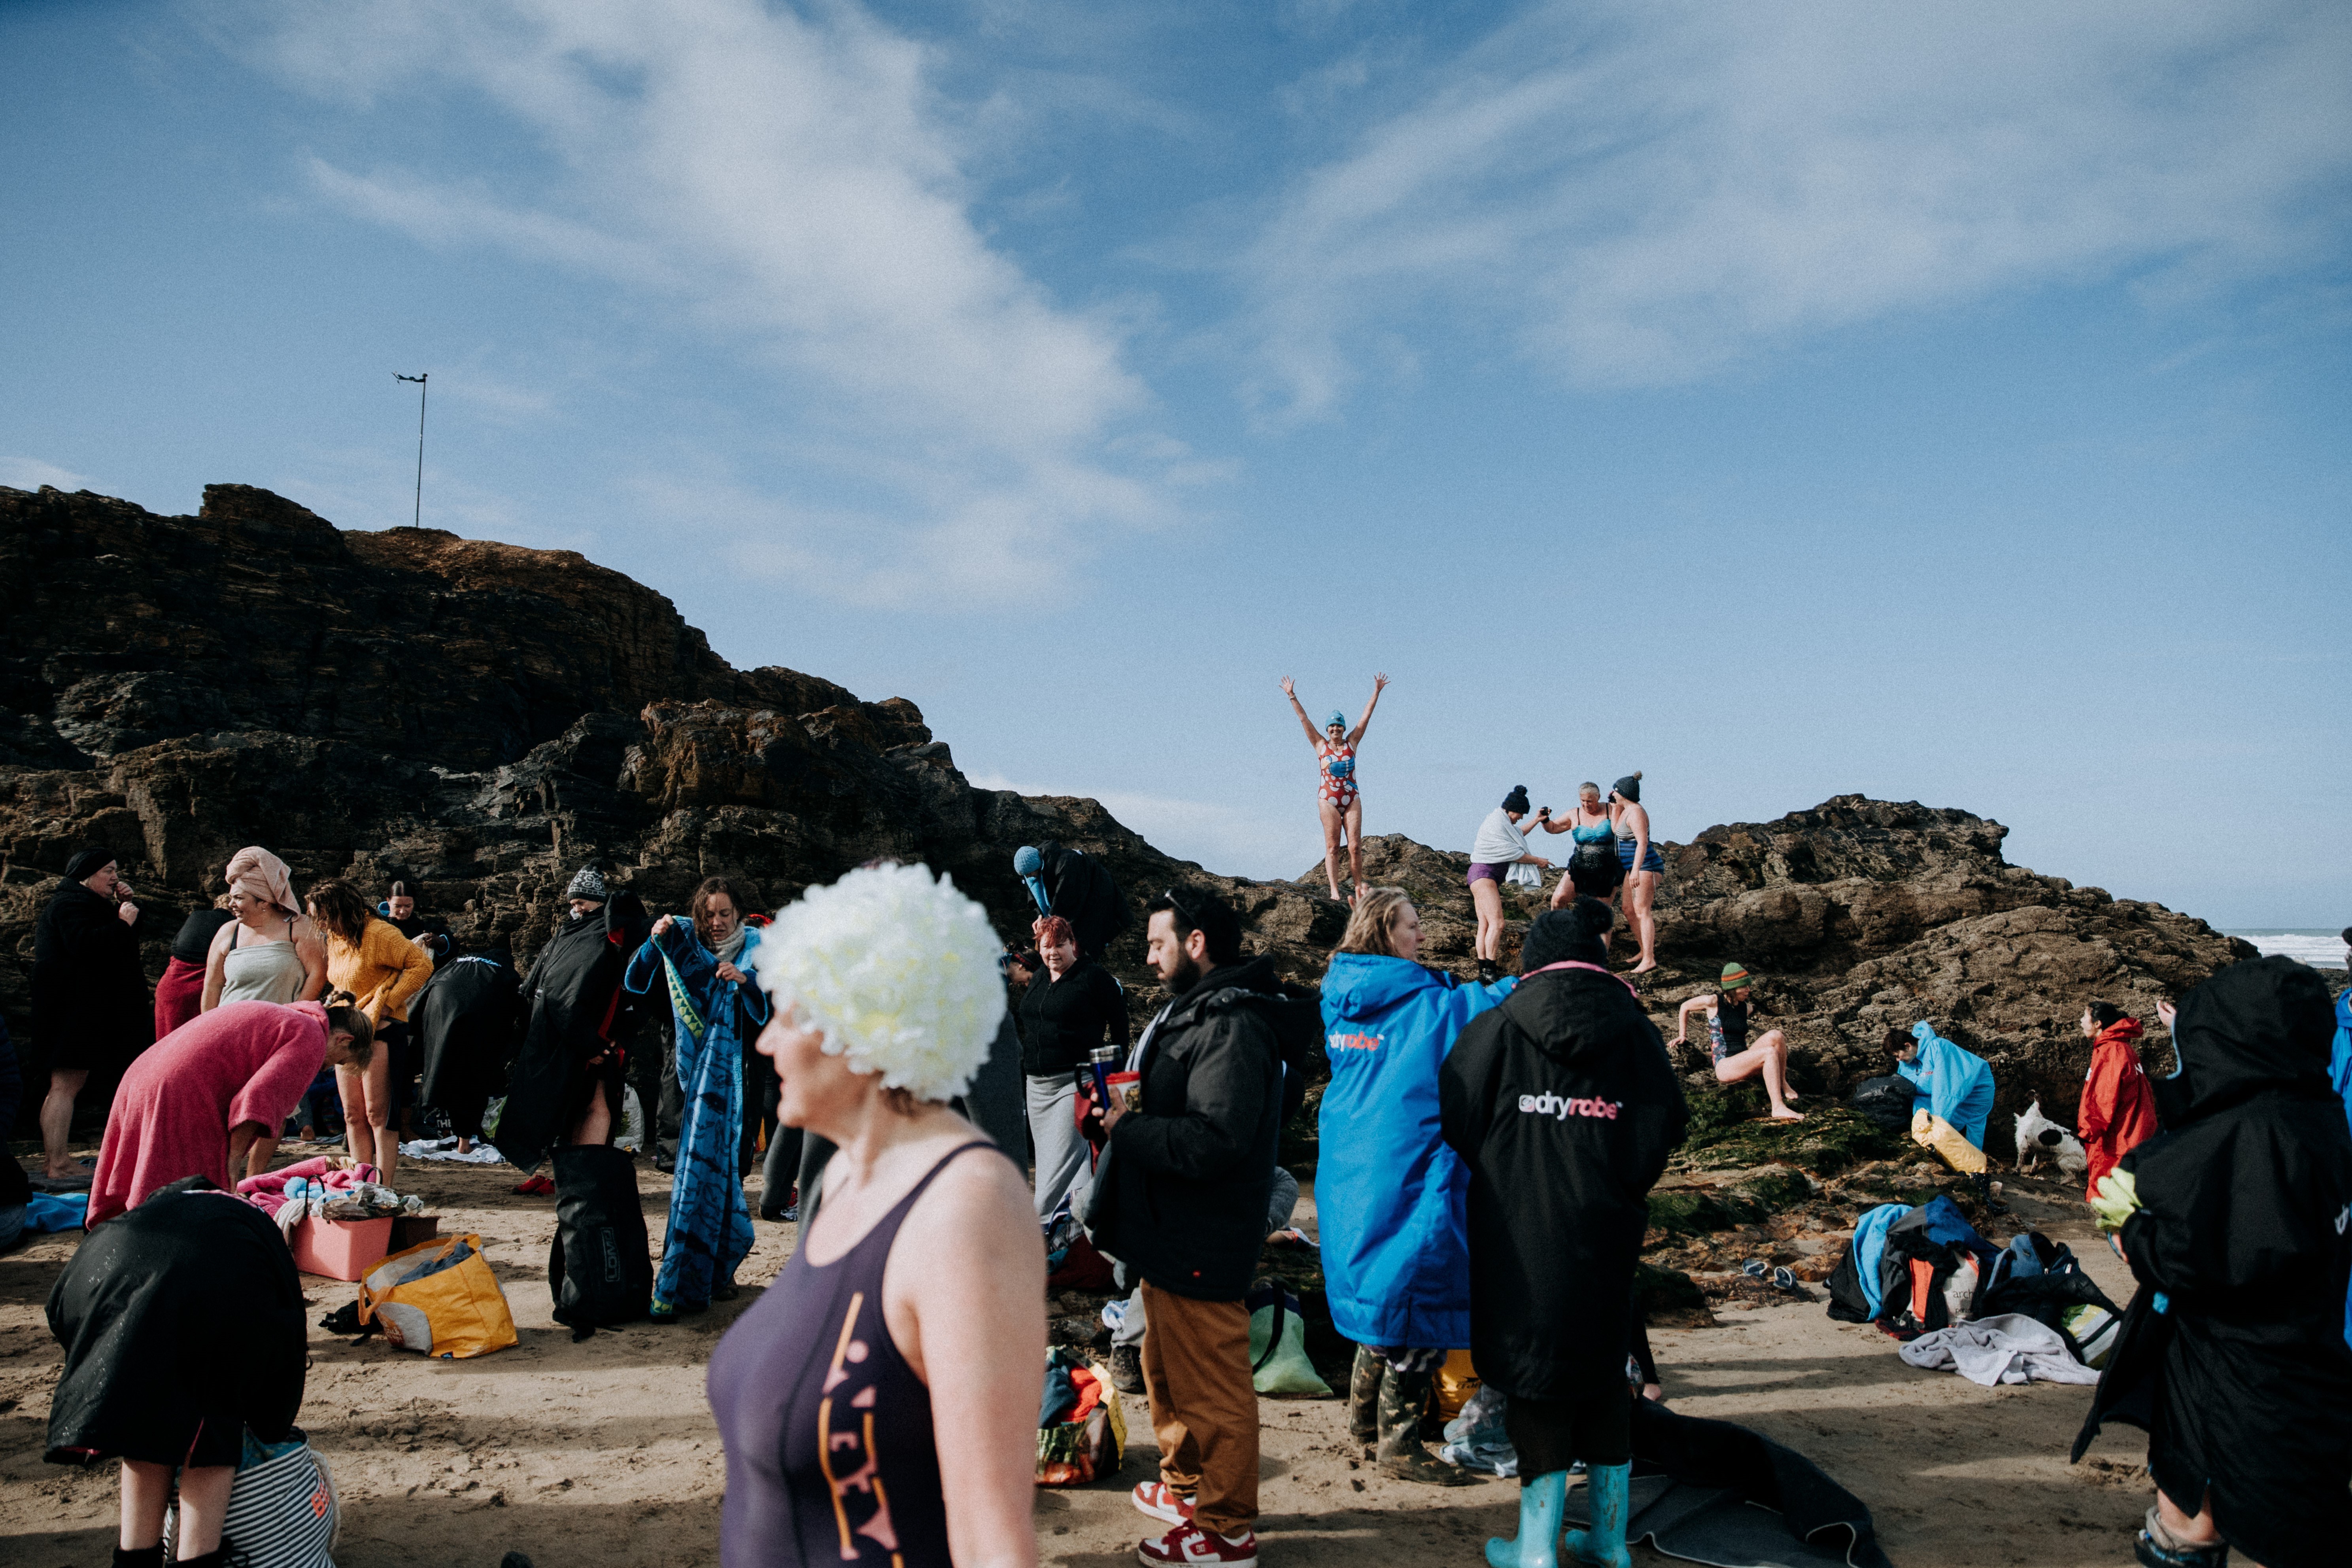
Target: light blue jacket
x: 1956, y: 1084
x: 1390, y: 1196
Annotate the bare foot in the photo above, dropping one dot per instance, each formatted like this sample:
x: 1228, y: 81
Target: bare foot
x: 1644, y: 968
x: 1782, y: 1114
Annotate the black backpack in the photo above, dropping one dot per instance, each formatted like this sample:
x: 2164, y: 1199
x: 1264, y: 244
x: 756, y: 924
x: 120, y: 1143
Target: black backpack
x: 600, y: 1267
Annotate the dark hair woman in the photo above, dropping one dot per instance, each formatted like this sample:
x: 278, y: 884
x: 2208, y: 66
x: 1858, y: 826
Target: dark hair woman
x: 383, y: 969
x: 1638, y: 858
x: 2118, y: 1107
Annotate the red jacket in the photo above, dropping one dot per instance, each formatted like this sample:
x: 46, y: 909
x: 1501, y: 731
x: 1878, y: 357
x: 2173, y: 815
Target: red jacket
x: 2118, y: 1108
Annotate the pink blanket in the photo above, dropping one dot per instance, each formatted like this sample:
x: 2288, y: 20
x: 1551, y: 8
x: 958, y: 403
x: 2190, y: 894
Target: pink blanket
x: 243, y: 1061
x: 267, y: 1192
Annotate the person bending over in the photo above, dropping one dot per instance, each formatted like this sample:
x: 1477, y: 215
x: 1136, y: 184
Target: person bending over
x: 879, y: 1403
x: 1952, y: 1099
x: 1338, y: 799
x: 1727, y: 1009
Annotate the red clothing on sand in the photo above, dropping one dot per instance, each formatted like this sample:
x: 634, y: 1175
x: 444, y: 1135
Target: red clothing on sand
x: 2118, y: 1109
x: 243, y: 1061
x: 178, y: 994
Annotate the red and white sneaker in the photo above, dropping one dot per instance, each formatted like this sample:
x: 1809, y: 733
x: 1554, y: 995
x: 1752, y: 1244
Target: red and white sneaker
x: 1154, y: 1499
x: 1189, y: 1544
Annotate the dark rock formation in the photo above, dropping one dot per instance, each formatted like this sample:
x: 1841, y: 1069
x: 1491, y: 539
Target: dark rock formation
x: 480, y: 719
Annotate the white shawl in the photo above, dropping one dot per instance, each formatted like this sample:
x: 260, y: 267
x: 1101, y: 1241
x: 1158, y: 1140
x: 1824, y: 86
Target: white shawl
x: 1499, y: 841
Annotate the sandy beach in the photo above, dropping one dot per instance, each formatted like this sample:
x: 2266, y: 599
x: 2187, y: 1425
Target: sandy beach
x: 603, y: 1454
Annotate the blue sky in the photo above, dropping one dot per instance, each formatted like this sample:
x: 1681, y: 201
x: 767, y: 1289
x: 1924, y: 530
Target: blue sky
x: 1783, y: 400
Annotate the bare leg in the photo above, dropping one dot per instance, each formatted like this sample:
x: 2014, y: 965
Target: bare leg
x: 203, y: 1506
x: 146, y: 1492
x: 1490, y: 917
x: 1778, y: 1043
x: 1356, y: 848
x: 1768, y: 1062
x: 359, y: 1139
x: 1332, y: 826
x: 2197, y: 1531
x: 1641, y: 888
x: 373, y: 1139
x: 595, y: 1123
x: 56, y: 1121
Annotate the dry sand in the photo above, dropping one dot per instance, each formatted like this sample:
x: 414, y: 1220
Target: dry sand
x: 603, y: 1454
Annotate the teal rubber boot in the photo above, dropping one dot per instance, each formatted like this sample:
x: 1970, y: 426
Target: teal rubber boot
x: 1540, y: 1502
x: 1603, y: 1544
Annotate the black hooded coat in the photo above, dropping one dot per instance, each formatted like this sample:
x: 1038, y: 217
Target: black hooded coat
x: 2233, y: 1354
x: 1563, y: 1105
x: 183, y: 1325
x: 91, y: 1007
x: 467, y: 1019
x: 1083, y: 892
x: 573, y: 995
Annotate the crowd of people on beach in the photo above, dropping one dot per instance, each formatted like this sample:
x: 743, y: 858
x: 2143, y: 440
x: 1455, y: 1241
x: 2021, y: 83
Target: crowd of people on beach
x: 933, y: 1106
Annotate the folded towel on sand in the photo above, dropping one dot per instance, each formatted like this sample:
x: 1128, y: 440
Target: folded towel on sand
x: 2007, y: 1348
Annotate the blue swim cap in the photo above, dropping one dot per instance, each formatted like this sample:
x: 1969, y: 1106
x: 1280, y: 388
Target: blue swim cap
x: 1026, y: 861
x: 1337, y: 717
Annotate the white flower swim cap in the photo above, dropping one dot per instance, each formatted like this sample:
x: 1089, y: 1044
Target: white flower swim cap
x: 900, y: 972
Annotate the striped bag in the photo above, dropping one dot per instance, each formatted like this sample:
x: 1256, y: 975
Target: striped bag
x: 282, y: 1511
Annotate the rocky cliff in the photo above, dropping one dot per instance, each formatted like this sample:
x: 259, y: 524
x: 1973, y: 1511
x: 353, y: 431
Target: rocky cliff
x: 480, y: 719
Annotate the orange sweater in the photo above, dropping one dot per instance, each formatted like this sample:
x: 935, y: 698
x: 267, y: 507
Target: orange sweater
x: 383, y: 971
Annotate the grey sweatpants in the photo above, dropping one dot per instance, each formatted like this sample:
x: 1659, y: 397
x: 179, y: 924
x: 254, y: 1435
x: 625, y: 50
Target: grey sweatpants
x: 1061, y: 1151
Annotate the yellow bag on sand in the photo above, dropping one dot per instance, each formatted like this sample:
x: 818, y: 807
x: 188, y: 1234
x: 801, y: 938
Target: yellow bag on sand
x: 1932, y: 1131
x: 440, y: 1298
x: 1458, y: 1380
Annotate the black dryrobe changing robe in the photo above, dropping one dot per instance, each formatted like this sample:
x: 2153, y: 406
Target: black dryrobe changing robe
x: 574, y: 992
x: 467, y: 1018
x: 1562, y: 1103
x: 2232, y: 1353
x: 183, y: 1325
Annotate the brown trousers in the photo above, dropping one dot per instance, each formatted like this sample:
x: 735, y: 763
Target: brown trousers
x: 1196, y: 1370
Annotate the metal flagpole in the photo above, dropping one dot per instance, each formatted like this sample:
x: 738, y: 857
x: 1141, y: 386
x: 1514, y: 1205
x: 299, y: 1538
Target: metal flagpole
x: 418, y: 519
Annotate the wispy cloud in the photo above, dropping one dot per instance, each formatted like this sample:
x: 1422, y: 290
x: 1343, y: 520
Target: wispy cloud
x: 31, y: 474
x: 1643, y: 195
x: 794, y: 185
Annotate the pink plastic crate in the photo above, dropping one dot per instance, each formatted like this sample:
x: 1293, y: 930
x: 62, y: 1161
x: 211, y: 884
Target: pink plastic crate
x: 341, y: 1249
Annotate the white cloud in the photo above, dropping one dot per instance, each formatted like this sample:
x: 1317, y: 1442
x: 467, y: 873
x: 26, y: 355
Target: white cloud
x: 31, y: 474
x: 795, y: 185
x: 1643, y: 195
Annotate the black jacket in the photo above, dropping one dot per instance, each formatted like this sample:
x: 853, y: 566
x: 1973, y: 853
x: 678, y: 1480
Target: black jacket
x: 182, y: 1315
x: 1562, y: 1102
x: 467, y: 1020
x: 2244, y: 1380
x: 573, y: 995
x: 90, y: 1003
x: 1194, y: 1168
x: 1082, y: 890
x: 1062, y: 1020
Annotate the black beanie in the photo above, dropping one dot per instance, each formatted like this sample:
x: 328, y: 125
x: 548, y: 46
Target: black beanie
x: 1630, y: 786
x: 1574, y: 933
x: 1516, y: 799
x: 88, y: 863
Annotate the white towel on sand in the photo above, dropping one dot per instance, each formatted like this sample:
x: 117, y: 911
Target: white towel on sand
x: 2009, y: 1347
x: 480, y: 1155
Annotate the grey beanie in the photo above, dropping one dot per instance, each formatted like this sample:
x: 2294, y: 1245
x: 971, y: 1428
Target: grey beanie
x: 587, y: 883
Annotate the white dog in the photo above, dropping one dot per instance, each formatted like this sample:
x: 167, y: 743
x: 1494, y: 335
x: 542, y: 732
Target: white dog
x: 2039, y: 1139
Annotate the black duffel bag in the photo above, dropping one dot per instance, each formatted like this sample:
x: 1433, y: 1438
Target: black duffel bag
x: 600, y: 1268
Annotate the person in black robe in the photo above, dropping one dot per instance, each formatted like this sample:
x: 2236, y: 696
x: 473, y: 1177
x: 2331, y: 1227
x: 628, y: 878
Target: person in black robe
x: 1562, y: 1103
x: 183, y: 1326
x: 567, y: 1079
x: 91, y: 1015
x: 1079, y: 887
x: 2232, y: 1354
x: 467, y: 1021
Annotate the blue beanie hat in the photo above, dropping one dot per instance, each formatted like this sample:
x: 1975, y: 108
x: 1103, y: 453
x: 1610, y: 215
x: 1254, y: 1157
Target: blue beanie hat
x: 1337, y: 717
x: 1026, y: 861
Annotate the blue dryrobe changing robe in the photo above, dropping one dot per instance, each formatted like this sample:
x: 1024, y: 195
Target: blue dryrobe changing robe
x: 1956, y: 1084
x: 709, y: 1228
x: 2339, y: 1074
x: 1390, y: 1195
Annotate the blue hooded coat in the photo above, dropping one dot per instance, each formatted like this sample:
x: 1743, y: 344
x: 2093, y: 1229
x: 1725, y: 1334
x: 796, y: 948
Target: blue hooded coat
x: 1956, y: 1084
x: 1390, y: 1195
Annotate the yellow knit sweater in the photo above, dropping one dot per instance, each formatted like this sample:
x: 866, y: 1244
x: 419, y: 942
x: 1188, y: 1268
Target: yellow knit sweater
x: 383, y: 971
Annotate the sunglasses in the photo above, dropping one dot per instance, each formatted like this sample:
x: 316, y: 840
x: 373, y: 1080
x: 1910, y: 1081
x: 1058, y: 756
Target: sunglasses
x: 1182, y: 907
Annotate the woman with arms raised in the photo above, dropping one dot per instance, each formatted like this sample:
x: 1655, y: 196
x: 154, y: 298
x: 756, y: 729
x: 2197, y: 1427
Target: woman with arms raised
x: 369, y: 958
x: 880, y: 1402
x: 1337, y: 800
